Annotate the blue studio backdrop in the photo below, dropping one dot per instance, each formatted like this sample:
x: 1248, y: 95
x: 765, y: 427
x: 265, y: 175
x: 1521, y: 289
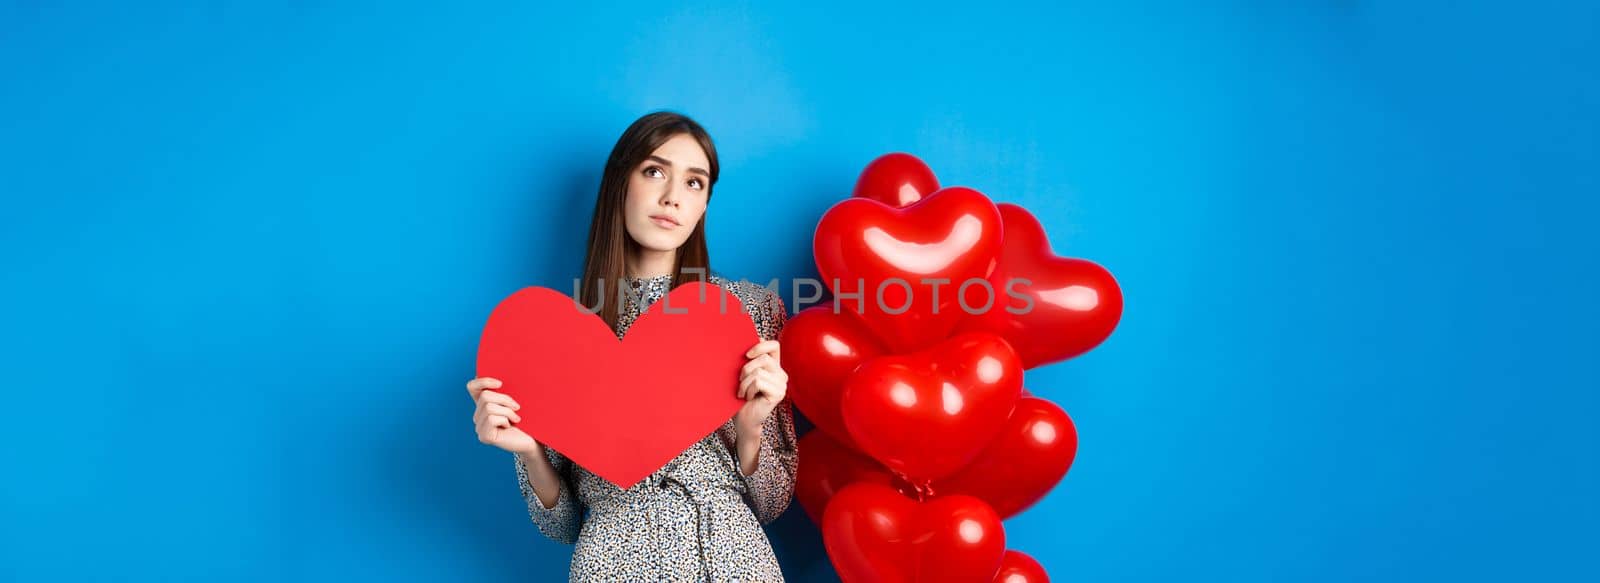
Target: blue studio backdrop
x: 248, y: 249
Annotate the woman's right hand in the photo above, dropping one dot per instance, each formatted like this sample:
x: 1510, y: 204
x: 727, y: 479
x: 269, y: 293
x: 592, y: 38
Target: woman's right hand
x: 493, y: 415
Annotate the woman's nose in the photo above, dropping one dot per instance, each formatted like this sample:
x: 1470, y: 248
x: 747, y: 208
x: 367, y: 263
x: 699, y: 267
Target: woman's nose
x: 671, y: 196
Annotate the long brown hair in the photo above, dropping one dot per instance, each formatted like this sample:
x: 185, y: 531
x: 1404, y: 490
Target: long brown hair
x: 605, y: 264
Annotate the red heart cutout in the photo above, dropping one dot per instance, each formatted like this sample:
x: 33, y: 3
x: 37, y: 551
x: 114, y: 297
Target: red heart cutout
x: 1075, y: 302
x: 867, y: 250
x: 821, y: 349
x: 872, y: 533
x: 896, y: 179
x: 1021, y: 464
x: 620, y: 408
x: 927, y: 414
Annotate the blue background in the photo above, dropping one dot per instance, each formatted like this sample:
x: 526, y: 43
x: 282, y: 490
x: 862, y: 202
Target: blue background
x: 248, y: 250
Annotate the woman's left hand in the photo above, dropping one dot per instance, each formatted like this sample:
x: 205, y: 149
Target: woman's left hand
x: 762, y: 384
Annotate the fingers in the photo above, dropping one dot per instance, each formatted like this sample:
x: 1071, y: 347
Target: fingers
x: 489, y: 411
x: 745, y: 383
x: 764, y: 383
x: 488, y: 396
x: 506, y: 438
x: 770, y: 389
x: 758, y: 385
x: 763, y: 401
x: 496, y: 404
x: 477, y: 385
x: 494, y: 415
x: 494, y: 422
x: 752, y: 382
x: 502, y: 410
x: 762, y: 365
x: 765, y: 346
x: 490, y: 434
x: 765, y: 360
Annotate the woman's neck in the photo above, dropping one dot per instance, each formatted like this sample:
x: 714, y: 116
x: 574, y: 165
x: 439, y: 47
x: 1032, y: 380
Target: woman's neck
x: 648, y: 263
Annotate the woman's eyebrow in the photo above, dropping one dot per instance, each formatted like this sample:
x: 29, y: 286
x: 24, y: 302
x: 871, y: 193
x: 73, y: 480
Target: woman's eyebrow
x: 670, y: 164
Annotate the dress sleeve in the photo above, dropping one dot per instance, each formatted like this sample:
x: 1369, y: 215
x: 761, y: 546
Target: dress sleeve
x: 770, y: 488
x: 563, y: 521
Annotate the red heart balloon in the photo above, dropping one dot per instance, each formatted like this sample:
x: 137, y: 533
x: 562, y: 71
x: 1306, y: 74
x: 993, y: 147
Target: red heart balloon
x: 820, y: 349
x: 1021, y: 464
x: 872, y: 533
x: 897, y: 179
x: 560, y: 362
x: 826, y: 467
x: 876, y: 257
x: 927, y: 414
x: 1071, y: 305
x: 1018, y: 567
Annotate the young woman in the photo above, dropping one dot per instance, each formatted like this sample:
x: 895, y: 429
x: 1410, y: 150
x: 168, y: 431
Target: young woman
x: 698, y: 518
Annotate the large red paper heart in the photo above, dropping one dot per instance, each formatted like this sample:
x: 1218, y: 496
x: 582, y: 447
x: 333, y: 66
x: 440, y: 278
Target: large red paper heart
x: 872, y: 533
x: 927, y: 414
x: 821, y: 348
x: 900, y: 268
x: 620, y: 408
x: 1075, y: 302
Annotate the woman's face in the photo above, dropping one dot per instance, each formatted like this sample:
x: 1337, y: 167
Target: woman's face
x: 667, y: 194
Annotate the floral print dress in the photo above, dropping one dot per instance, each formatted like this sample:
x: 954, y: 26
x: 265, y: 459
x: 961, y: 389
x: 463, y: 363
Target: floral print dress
x: 698, y: 518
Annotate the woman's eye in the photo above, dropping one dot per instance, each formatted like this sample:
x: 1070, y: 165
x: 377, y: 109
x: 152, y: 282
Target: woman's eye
x: 695, y: 183
x: 653, y: 172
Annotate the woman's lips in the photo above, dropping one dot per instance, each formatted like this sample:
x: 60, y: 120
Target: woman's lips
x: 663, y: 221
